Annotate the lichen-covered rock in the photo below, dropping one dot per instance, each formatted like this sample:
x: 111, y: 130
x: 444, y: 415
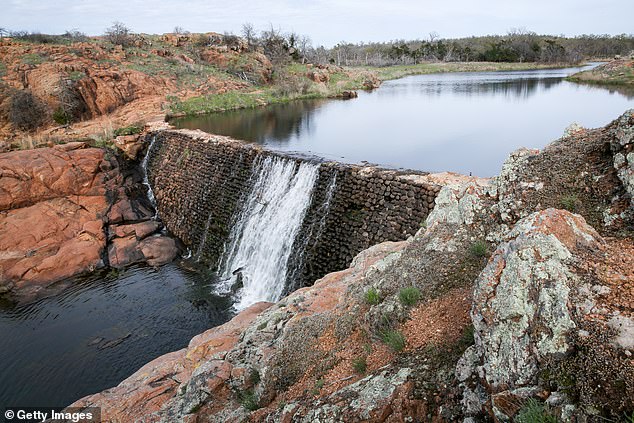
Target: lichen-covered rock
x: 528, y: 305
x: 622, y: 145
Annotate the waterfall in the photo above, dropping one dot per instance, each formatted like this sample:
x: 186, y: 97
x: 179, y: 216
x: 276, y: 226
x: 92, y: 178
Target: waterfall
x: 312, y: 235
x: 146, y: 181
x: 262, y: 238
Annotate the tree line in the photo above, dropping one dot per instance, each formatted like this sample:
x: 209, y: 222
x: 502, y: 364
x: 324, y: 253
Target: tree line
x: 516, y: 46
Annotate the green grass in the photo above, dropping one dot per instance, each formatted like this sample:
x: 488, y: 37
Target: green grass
x: 319, y: 383
x: 33, y: 59
x: 478, y: 249
x: 360, y: 365
x: 394, y: 339
x: 569, y: 202
x: 3, y: 69
x: 128, y: 130
x: 535, y: 412
x: 606, y: 75
x: 372, y: 296
x: 399, y: 71
x: 234, y: 100
x: 409, y: 296
x: 76, y: 75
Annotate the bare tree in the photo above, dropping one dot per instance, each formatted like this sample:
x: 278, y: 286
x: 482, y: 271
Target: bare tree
x: 304, y: 45
x: 275, y: 45
x: 180, y: 31
x: 249, y: 34
x: 119, y: 34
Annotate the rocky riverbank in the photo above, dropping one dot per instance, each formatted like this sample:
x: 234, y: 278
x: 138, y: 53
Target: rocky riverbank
x: 516, y: 297
x: 619, y: 72
x: 70, y: 210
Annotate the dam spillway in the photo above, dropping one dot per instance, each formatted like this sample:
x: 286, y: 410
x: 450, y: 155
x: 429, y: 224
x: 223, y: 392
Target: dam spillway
x: 263, y: 236
x: 279, y: 220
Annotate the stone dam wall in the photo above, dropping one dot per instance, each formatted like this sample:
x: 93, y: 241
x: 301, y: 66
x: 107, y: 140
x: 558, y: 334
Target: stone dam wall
x: 200, y: 182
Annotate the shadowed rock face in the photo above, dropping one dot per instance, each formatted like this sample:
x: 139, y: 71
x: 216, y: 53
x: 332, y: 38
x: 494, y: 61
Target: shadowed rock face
x: 69, y: 210
x: 552, y: 300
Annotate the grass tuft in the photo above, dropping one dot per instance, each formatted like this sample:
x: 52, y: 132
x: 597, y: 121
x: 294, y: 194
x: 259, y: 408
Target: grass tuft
x: 394, y: 339
x: 535, y: 412
x: 128, y: 130
x: 478, y: 249
x: 569, y: 202
x: 372, y: 296
x: 409, y: 296
x: 360, y: 364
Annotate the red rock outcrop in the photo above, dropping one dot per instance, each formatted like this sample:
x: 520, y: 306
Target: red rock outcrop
x: 60, y: 208
x: 53, y: 202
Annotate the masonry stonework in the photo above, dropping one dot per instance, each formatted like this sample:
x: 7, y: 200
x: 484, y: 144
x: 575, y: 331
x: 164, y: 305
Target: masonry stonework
x: 200, y: 182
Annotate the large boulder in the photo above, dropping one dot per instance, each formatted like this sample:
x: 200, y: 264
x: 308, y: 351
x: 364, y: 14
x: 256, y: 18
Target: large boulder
x: 530, y: 304
x: 69, y: 210
x: 28, y: 177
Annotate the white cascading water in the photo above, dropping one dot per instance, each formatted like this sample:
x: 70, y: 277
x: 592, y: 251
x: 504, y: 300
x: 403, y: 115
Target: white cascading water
x: 146, y: 181
x: 261, y: 240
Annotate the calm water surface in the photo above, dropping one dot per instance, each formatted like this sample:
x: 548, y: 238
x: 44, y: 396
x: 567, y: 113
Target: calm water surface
x: 462, y: 122
x: 100, y: 331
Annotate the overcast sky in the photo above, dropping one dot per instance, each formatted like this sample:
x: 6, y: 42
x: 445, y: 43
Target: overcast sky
x: 327, y: 21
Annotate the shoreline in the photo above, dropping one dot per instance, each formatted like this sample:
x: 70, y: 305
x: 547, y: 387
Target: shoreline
x: 266, y: 97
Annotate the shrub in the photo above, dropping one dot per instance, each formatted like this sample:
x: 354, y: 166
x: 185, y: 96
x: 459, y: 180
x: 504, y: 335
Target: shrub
x: 27, y: 112
x: 569, y: 202
x: 409, y: 296
x: 61, y: 117
x: 319, y: 383
x: 254, y: 376
x: 372, y: 296
x: 119, y: 34
x: 292, y: 85
x: 76, y: 75
x: 394, y: 339
x: 128, y: 130
x: 479, y: 248
x: 72, y: 104
x: 535, y: 412
x: 360, y: 365
x: 249, y: 400
x: 33, y: 59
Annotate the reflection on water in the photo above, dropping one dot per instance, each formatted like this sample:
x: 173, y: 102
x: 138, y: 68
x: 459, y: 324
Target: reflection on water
x: 280, y: 121
x: 100, y: 331
x: 462, y: 122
